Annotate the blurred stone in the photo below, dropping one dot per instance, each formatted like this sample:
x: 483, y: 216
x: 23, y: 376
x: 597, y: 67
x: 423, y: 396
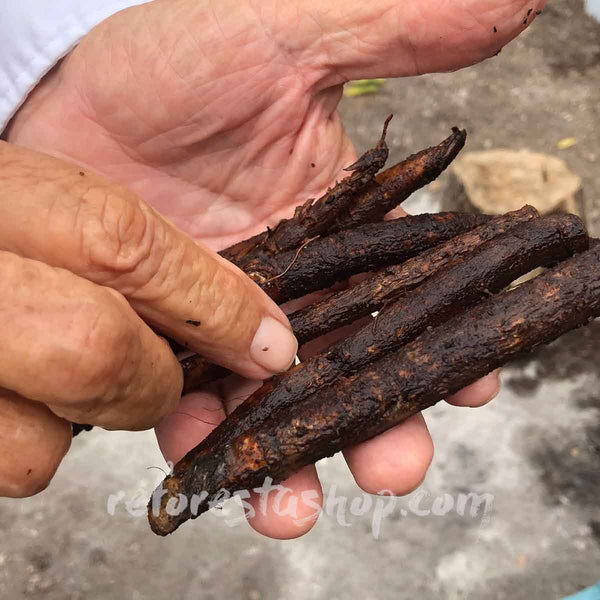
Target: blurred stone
x: 497, y: 181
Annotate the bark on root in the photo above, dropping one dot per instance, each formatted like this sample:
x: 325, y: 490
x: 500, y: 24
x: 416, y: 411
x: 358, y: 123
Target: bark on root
x: 314, y: 217
x: 436, y: 365
x: 325, y: 261
x: 394, y: 185
x: 441, y: 361
x: 359, y: 198
x: 385, y: 286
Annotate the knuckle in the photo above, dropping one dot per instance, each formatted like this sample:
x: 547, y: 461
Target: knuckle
x: 121, y: 236
x: 153, y: 399
x: 17, y: 273
x: 98, y: 343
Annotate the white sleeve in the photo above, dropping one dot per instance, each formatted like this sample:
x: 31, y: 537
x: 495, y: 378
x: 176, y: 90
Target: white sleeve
x: 35, y: 34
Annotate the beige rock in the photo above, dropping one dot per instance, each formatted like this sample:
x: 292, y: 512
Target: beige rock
x: 496, y: 181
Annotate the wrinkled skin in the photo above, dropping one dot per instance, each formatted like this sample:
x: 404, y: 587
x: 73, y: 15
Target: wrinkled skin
x: 213, y: 113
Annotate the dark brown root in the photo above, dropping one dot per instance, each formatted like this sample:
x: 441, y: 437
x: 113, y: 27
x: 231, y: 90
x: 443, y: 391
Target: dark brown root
x: 438, y: 364
x: 325, y: 261
x: 527, y: 246
x: 394, y: 185
x: 314, y: 217
x: 370, y: 295
x: 278, y: 439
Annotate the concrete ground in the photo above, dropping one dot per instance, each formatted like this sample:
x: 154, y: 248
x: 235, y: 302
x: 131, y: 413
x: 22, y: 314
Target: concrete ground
x: 532, y: 456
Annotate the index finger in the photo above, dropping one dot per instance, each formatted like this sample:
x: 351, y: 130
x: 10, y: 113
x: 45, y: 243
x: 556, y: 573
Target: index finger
x: 69, y: 217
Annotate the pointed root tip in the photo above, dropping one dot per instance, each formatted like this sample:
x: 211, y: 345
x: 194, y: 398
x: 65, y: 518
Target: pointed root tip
x: 156, y: 529
x: 457, y: 135
x: 453, y: 144
x: 380, y: 147
x: 384, y: 132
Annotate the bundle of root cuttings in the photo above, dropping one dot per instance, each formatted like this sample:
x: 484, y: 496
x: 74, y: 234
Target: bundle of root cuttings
x: 446, y: 318
x: 342, y: 233
x: 440, y: 334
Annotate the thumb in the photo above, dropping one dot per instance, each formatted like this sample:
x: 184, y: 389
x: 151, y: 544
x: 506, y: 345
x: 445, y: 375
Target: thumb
x: 67, y: 217
x: 352, y: 39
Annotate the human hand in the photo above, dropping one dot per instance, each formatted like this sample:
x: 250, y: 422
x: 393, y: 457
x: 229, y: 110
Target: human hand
x: 215, y: 112
x: 81, y: 260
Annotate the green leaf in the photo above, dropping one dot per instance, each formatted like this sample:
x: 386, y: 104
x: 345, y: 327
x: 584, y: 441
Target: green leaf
x: 361, y: 87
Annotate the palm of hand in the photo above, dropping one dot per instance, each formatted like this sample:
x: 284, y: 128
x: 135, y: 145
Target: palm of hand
x: 215, y: 112
x: 222, y: 116
x: 222, y: 147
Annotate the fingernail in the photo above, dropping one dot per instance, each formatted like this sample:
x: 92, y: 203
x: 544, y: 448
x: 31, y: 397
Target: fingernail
x: 274, y: 346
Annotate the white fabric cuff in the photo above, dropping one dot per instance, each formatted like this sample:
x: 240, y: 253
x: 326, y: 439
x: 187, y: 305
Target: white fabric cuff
x: 35, y: 35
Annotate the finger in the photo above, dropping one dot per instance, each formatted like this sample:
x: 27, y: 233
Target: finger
x: 395, y: 213
x: 33, y: 441
x: 289, y: 510
x: 196, y: 415
x: 357, y: 40
x: 50, y: 212
x: 397, y: 460
x: 479, y: 393
x: 81, y: 349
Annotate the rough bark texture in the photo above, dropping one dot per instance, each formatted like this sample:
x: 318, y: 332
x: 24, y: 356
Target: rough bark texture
x: 357, y: 199
x: 487, y: 270
x: 443, y: 360
x: 314, y: 217
x: 370, y: 295
x: 324, y: 261
x: 396, y: 184
x: 436, y: 365
x: 388, y: 284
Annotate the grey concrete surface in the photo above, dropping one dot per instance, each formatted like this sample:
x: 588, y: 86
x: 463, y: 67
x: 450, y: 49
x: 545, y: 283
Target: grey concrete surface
x: 535, y: 451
